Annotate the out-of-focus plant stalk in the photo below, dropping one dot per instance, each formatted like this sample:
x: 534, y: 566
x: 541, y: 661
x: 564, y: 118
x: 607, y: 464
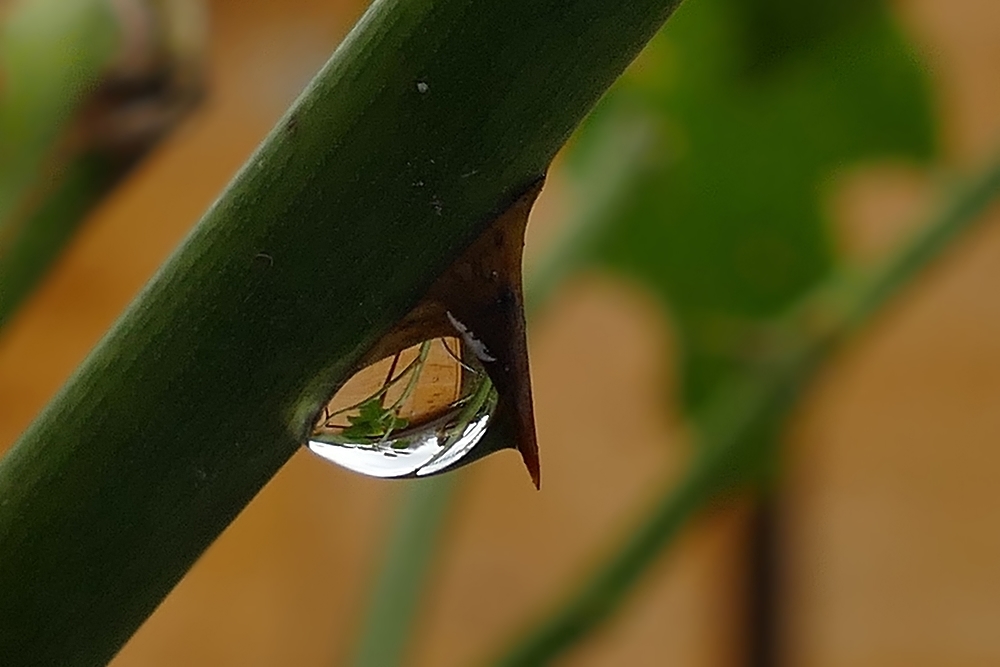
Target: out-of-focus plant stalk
x: 87, y: 87
x: 747, y: 409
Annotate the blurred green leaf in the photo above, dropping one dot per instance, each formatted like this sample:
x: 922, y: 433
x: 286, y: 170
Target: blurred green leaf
x: 759, y: 104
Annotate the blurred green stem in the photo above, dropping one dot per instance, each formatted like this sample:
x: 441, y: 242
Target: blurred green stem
x: 52, y: 52
x: 75, y: 115
x: 739, y: 412
x: 409, y: 552
x: 741, y: 407
x: 972, y: 200
x: 28, y: 251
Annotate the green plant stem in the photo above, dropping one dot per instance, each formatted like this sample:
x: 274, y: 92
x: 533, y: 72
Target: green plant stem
x: 963, y: 211
x: 735, y: 417
x: 743, y: 407
x: 428, y: 121
x: 604, y: 180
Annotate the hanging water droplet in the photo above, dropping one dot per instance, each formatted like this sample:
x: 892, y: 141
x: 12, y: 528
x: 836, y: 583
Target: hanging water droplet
x: 419, y: 412
x: 434, y: 406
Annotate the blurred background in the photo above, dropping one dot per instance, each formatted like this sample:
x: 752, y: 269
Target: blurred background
x: 785, y: 142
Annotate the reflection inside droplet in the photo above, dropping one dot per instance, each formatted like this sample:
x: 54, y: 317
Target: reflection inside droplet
x: 417, y: 413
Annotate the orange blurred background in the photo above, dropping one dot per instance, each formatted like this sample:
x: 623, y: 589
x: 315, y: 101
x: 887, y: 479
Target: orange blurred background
x: 890, y: 512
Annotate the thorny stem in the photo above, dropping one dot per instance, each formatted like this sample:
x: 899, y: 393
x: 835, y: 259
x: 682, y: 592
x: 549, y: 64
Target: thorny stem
x: 737, y: 414
x: 102, y: 507
x: 619, y: 156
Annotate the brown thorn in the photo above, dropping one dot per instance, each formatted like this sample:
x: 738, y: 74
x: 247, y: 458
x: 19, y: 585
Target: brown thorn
x: 482, y: 293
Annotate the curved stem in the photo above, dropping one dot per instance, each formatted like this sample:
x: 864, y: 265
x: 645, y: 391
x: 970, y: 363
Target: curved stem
x: 736, y: 416
x: 962, y: 211
x: 741, y: 408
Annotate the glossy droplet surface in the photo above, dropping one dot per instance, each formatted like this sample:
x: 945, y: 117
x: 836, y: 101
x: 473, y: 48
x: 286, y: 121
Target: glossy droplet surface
x: 419, y: 412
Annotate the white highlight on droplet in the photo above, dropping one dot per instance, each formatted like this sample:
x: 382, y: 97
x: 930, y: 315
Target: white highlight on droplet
x: 473, y: 433
x: 439, y: 439
x: 422, y: 87
x: 433, y: 448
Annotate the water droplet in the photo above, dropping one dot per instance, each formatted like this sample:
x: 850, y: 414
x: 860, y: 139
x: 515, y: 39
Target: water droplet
x: 422, y: 87
x: 417, y: 413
